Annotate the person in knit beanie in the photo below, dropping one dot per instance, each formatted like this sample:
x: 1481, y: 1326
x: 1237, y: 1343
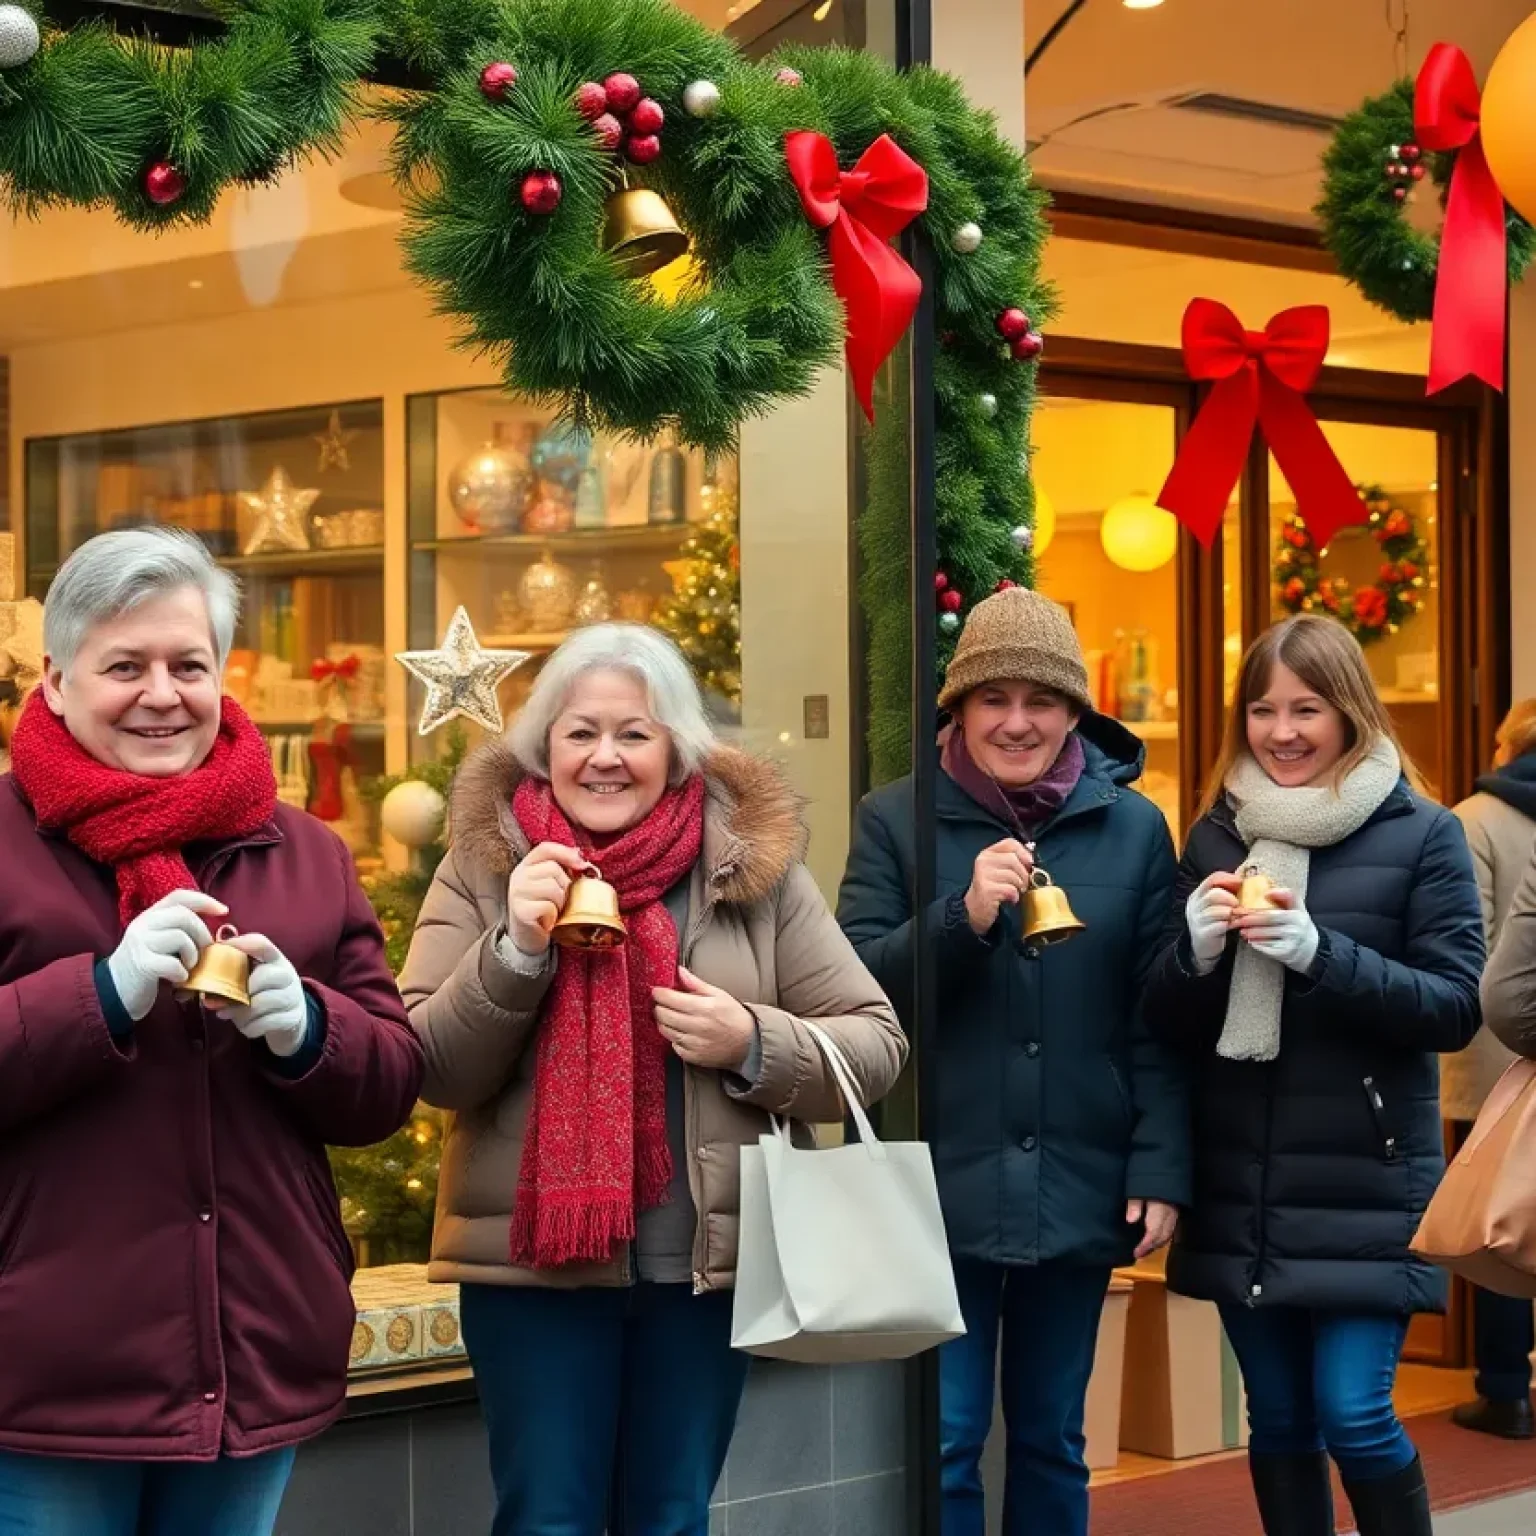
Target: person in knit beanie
x: 1061, y: 1138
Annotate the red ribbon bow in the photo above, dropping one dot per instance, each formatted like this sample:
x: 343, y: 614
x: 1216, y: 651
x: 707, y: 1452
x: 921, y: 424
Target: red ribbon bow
x: 343, y: 671
x: 862, y: 209
x: 1470, y: 290
x: 1258, y: 378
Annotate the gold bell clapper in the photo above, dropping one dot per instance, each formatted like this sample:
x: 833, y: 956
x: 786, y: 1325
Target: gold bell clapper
x: 1048, y: 915
x: 222, y: 972
x: 590, y: 919
x: 640, y: 233
x: 1253, y: 893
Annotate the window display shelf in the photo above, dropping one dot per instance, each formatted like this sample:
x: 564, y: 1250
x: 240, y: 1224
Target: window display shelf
x: 357, y: 561
x: 644, y: 539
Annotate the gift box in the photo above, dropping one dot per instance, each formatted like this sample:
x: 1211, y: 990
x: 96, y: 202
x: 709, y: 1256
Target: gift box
x: 402, y: 1318
x: 1101, y: 1417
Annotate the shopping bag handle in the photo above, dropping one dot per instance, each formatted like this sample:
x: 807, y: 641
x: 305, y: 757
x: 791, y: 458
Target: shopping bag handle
x: 845, y: 1082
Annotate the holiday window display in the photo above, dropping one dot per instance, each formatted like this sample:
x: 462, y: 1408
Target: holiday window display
x: 703, y: 615
x: 280, y: 514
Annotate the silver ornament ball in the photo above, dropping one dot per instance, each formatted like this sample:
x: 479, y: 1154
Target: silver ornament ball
x: 1023, y: 537
x: 19, y: 37
x: 491, y: 489
x: 702, y: 99
x: 949, y: 623
x: 413, y: 813
x: 988, y: 404
x: 966, y: 239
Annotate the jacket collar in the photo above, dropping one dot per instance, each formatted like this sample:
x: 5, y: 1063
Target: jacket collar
x: 754, y: 824
x: 1514, y: 784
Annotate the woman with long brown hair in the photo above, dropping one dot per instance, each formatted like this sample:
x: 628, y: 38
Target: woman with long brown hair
x: 1312, y: 1017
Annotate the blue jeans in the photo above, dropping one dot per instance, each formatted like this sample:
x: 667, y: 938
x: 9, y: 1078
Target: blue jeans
x: 607, y: 1410
x: 1048, y: 1318
x: 67, y: 1496
x: 1322, y: 1381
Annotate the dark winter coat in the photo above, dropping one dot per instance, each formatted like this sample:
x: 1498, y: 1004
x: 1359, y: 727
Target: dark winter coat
x: 173, y: 1270
x: 1055, y: 1105
x: 1312, y: 1171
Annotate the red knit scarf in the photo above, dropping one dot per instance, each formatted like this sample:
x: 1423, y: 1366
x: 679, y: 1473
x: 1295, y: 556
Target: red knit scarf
x: 136, y: 823
x: 595, y: 1152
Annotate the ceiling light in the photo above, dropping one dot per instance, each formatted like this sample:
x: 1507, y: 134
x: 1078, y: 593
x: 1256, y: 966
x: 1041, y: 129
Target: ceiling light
x: 822, y: 11
x: 1141, y: 5
x: 196, y: 282
x: 1138, y: 535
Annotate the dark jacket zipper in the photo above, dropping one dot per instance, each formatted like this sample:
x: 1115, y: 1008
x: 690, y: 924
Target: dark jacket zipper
x: 1378, y: 1107
x: 1255, y: 1284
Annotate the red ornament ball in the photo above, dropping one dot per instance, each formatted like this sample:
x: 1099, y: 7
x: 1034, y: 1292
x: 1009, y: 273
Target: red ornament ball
x: 787, y: 76
x: 951, y: 601
x: 1005, y: 585
x: 609, y: 130
x: 1029, y: 346
x: 1012, y: 324
x: 1417, y: 171
x: 1395, y: 169
x: 591, y: 100
x: 496, y: 80
x: 622, y: 92
x: 541, y: 192
x: 642, y: 148
x: 1411, y: 152
x: 164, y: 184
x: 647, y: 117
x: 1400, y: 194
x: 940, y: 581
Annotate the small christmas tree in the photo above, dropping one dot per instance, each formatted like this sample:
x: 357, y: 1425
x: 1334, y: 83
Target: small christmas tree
x: 704, y: 613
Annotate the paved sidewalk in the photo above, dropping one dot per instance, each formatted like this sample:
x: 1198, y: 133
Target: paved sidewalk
x: 1504, y: 1517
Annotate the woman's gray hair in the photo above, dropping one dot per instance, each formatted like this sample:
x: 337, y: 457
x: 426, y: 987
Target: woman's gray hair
x: 671, y: 691
x: 115, y: 572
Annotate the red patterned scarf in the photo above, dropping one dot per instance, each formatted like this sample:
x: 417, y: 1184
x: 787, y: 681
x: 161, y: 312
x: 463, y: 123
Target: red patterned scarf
x: 136, y: 823
x: 595, y: 1152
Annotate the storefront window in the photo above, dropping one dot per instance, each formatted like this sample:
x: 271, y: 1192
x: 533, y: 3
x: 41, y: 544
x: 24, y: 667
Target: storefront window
x: 1381, y: 579
x: 1110, y: 558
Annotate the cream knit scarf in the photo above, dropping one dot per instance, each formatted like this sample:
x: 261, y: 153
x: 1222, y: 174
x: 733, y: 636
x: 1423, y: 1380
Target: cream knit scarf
x: 1281, y: 827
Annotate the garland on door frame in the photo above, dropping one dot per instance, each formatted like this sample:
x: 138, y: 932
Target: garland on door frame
x: 1370, y: 613
x: 1372, y: 171
x: 92, y: 119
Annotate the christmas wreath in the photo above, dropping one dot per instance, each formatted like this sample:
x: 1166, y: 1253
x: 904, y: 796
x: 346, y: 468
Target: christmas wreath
x: 1369, y: 613
x: 1372, y: 171
x: 94, y: 119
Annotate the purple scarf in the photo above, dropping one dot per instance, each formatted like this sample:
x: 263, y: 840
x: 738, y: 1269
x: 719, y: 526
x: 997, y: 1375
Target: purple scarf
x: 1034, y: 804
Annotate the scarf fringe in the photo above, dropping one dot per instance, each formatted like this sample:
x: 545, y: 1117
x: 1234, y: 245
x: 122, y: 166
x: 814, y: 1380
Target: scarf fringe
x: 570, y: 1228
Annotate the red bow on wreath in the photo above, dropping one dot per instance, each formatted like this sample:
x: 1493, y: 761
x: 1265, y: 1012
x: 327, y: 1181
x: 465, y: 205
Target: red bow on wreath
x: 1473, y: 280
x: 861, y: 210
x: 1258, y: 378
x: 342, y: 671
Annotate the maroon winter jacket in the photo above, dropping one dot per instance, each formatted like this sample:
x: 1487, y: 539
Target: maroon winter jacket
x: 173, y: 1269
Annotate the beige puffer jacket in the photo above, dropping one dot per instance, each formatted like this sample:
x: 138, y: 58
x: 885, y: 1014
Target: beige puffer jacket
x: 758, y: 927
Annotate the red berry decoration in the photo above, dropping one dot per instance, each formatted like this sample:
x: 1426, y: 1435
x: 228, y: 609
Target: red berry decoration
x: 622, y: 93
x: 1411, y: 152
x: 496, y: 80
x: 642, y: 148
x: 541, y: 192
x: 1400, y: 194
x: 940, y: 581
x: 164, y: 184
x: 951, y: 601
x: 1012, y: 324
x: 788, y: 76
x: 1005, y: 585
x: 591, y: 100
x: 647, y: 117
x: 1417, y: 171
x: 609, y: 130
x: 1029, y: 346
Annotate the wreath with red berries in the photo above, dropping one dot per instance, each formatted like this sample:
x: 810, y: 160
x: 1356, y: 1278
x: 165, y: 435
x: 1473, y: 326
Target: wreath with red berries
x: 1369, y: 613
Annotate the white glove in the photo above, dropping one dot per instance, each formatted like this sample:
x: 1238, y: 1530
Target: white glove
x: 1208, y: 914
x: 161, y: 944
x: 277, y: 1012
x: 1282, y: 931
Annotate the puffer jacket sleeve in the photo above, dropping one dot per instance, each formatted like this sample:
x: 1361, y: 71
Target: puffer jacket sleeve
x: 473, y: 1001
x: 820, y: 978
x: 1159, y: 1167
x: 1428, y: 1000
x: 874, y: 908
x: 1509, y: 984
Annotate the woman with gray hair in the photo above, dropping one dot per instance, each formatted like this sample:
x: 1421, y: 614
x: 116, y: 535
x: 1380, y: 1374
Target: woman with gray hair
x: 174, y: 1299
x: 590, y: 1183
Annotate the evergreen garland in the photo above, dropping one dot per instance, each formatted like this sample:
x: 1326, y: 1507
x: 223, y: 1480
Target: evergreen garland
x: 89, y: 116
x: 1365, y: 224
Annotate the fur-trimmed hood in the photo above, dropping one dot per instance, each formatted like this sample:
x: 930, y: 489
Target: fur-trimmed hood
x: 754, y: 824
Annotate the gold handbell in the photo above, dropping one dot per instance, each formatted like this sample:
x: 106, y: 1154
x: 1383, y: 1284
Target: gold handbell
x: 640, y: 233
x: 221, y: 971
x: 591, y: 917
x: 1048, y: 915
x: 1253, y: 893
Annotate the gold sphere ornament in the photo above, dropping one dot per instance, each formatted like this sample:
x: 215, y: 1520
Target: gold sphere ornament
x: 413, y: 813
x: 1509, y: 119
x: 1137, y: 534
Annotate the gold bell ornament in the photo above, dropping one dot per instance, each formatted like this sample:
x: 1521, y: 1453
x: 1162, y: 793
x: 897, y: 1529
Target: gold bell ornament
x: 1048, y: 915
x: 590, y: 919
x: 1253, y: 893
x: 222, y: 971
x: 640, y: 233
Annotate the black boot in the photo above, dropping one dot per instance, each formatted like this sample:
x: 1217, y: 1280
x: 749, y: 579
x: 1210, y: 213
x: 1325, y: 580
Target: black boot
x: 1392, y: 1506
x: 1509, y: 1421
x: 1294, y: 1493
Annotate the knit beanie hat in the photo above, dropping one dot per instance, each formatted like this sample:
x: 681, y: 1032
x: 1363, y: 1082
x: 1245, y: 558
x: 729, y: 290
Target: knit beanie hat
x: 1017, y: 636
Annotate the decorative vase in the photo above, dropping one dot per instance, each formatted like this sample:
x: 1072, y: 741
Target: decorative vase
x: 490, y: 490
x: 548, y: 595
x: 668, y: 501
x: 591, y: 498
